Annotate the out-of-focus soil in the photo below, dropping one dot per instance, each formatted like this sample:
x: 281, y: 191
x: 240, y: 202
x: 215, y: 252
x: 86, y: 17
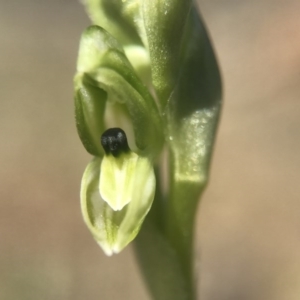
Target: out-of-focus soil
x: 248, y: 226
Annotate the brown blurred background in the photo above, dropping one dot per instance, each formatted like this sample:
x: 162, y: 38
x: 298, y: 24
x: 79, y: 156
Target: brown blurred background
x: 248, y: 229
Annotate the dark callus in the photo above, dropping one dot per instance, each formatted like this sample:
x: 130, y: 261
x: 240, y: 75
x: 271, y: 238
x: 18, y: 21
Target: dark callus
x: 114, y: 141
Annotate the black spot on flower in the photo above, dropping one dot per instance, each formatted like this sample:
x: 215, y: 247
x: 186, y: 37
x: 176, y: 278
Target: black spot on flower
x: 114, y: 141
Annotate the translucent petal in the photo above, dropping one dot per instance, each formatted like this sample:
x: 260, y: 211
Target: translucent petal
x: 115, y: 229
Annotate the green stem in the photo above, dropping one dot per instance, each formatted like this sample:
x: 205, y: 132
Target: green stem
x: 181, y: 212
x: 164, y: 246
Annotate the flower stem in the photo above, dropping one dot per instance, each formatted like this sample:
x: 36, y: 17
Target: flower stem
x: 164, y: 246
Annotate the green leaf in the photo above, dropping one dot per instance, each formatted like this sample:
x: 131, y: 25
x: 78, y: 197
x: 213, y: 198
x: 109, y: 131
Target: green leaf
x: 194, y: 107
x: 193, y: 113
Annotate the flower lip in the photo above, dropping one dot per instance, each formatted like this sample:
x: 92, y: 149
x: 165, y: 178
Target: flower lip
x: 114, y: 141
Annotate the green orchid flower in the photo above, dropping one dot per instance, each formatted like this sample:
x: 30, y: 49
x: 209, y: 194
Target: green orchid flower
x: 121, y: 180
x: 147, y: 86
x: 116, y: 194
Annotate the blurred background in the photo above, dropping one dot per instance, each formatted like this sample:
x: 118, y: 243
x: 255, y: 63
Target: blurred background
x: 248, y: 225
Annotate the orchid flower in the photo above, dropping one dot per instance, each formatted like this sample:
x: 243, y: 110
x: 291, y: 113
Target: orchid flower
x: 147, y: 86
